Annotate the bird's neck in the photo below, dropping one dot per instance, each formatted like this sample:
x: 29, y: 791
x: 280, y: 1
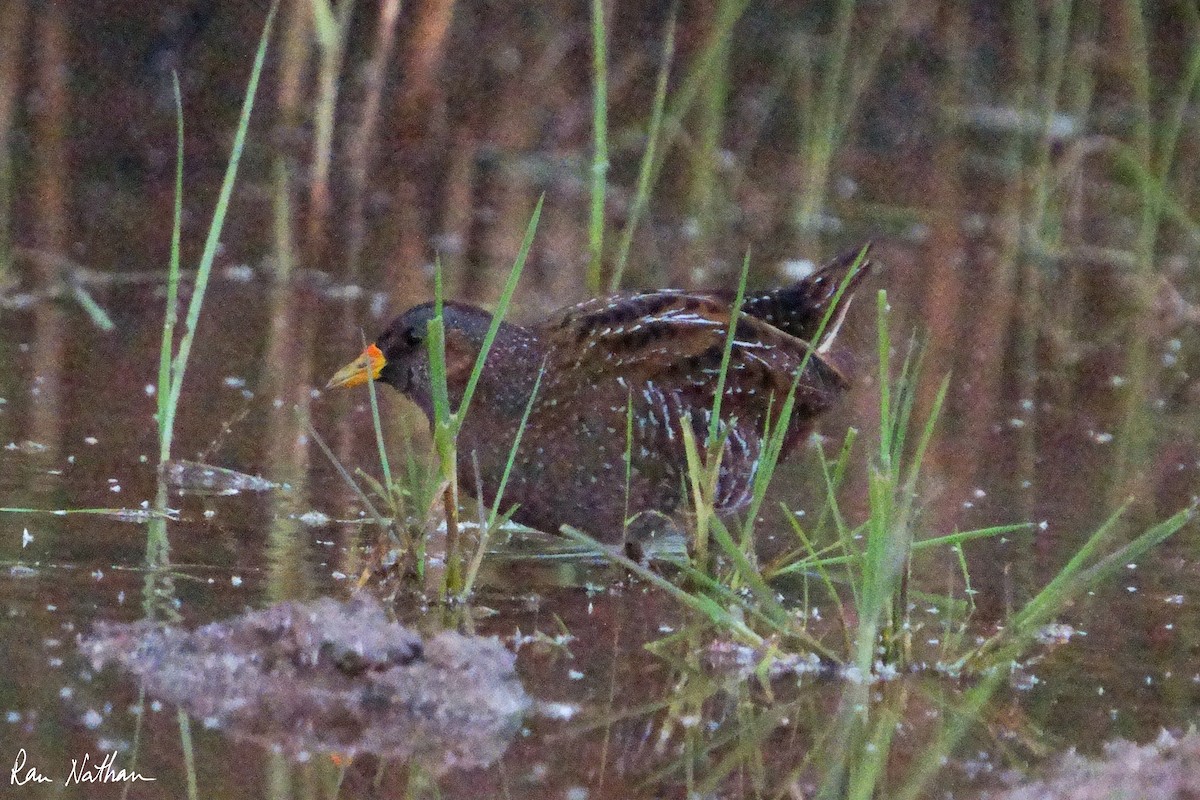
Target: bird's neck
x: 504, y: 387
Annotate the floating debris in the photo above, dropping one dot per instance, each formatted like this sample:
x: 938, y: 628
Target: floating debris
x: 193, y: 477
x: 315, y: 519
x: 1056, y: 633
x: 1007, y: 119
x: 27, y: 447
x: 330, y: 676
x: 143, y: 514
x: 239, y: 273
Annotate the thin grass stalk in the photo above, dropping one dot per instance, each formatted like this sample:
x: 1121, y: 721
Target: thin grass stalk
x: 712, y: 589
x: 704, y: 473
x: 304, y: 420
x: 494, y: 514
x: 360, y: 146
x: 285, y: 250
x: 728, y: 15
x: 875, y: 586
x: 296, y: 43
x: 889, y: 535
x: 845, y: 540
x: 445, y: 440
x: 510, y: 287
x: 735, y: 315
x: 968, y: 591
x: 166, y: 423
x: 702, y: 500
x: 748, y: 573
x: 1057, y: 51
x: 384, y: 463
x: 641, y: 195
x: 769, y: 457
x: 714, y: 611
x: 1180, y: 105
x: 904, y: 397
x: 839, y: 475
x: 836, y: 98
x: 706, y: 128
x: 599, y: 147
x: 512, y: 454
x: 135, y: 747
x: 12, y: 28
x: 845, y: 536
x: 773, y: 439
x: 1133, y: 433
x: 914, y: 464
x: 884, y: 350
x: 172, y: 314
x: 447, y: 423
x: 870, y: 50
x: 332, y: 26
x: 823, y: 574
x: 933, y: 543
x: 189, y: 753
x: 1070, y: 581
x: 374, y: 80
x: 819, y: 149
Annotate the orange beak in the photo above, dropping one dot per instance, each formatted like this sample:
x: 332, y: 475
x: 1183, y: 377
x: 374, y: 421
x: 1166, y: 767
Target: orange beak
x: 366, y: 367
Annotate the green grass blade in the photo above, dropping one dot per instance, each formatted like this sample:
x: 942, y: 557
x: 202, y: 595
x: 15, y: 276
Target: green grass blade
x: 179, y: 365
x: 494, y: 514
x: 773, y: 443
x: 735, y: 314
x: 384, y: 464
x: 641, y: 196
x: 599, y: 146
x: 341, y: 470
x: 172, y: 313
x: 885, y: 379
x: 1070, y: 581
x: 510, y: 286
x: 512, y: 453
x: 436, y: 342
x: 749, y: 573
x: 919, y: 546
x: 705, y: 605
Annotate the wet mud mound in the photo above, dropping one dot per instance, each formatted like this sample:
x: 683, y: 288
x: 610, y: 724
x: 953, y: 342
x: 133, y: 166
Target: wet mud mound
x: 1167, y: 769
x: 329, y: 676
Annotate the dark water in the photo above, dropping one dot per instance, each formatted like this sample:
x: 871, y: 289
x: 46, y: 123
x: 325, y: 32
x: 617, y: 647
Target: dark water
x: 1070, y: 337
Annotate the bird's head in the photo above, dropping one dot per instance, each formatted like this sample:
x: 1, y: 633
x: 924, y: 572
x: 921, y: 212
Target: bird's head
x: 399, y: 356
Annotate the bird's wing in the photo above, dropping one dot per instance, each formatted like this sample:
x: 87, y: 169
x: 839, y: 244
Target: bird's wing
x: 673, y: 342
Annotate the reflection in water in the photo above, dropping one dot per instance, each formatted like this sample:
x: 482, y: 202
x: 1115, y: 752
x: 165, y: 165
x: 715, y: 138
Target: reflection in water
x: 286, y: 387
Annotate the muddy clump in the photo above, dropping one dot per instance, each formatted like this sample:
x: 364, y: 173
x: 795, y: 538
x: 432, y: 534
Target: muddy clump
x: 1167, y: 769
x: 329, y: 676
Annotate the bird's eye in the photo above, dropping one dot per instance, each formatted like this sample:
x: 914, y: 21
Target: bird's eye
x: 412, y: 338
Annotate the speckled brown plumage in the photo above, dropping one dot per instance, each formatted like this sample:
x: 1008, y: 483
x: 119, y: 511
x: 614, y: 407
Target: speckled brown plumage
x: 658, y: 353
